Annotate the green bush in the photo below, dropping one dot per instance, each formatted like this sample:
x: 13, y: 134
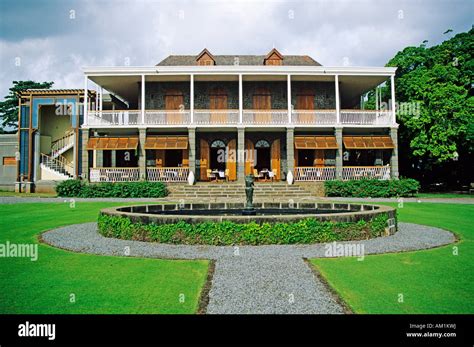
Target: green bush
x: 372, y: 188
x: 79, y: 189
x: 306, y: 231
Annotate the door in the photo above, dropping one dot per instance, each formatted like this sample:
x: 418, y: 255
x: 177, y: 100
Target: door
x: 305, y: 102
x: 204, y: 160
x: 160, y: 158
x: 319, y: 157
x: 275, y: 155
x: 231, y: 163
x: 249, y: 157
x: 262, y: 101
x: 174, y: 101
x: 218, y: 101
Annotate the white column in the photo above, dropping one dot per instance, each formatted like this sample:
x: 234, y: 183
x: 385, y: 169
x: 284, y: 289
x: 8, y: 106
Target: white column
x: 241, y: 101
x: 288, y: 94
x: 143, y: 100
x: 85, y: 100
x: 191, y: 98
x: 392, y: 87
x: 338, y: 108
x: 101, y: 91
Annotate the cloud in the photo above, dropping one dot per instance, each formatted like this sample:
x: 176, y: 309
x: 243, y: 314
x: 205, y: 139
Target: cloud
x: 53, y: 43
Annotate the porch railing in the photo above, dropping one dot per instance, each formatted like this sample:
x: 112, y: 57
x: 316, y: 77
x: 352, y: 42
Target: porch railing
x: 311, y: 173
x: 270, y: 117
x: 114, y: 118
x: 366, y: 117
x: 167, y: 174
x: 361, y: 172
x: 216, y: 117
x: 311, y: 117
x: 114, y: 174
x: 167, y: 117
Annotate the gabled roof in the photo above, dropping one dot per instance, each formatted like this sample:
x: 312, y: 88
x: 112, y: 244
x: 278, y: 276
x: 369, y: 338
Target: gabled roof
x: 205, y: 51
x: 255, y: 60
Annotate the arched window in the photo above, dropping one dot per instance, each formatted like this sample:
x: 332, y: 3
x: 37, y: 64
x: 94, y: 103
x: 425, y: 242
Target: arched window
x: 262, y: 144
x: 218, y: 144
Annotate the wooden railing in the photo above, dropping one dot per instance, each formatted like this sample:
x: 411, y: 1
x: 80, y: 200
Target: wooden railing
x: 58, y: 164
x: 216, y: 117
x: 114, y: 118
x: 167, y: 174
x: 366, y: 117
x: 311, y: 173
x: 361, y: 172
x: 114, y: 174
x: 270, y: 117
x: 61, y: 145
x: 311, y: 117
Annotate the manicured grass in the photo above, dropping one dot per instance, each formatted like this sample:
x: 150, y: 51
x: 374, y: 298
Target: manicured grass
x: 444, y: 196
x: 101, y: 284
x: 431, y: 281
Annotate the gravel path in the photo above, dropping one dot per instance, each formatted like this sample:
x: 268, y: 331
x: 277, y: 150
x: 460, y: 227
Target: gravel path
x: 252, y: 279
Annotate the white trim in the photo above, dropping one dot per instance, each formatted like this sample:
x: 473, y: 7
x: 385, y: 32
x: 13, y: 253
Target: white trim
x: 394, y: 108
x: 241, y: 102
x: 191, y: 97
x: 237, y: 69
x: 85, y: 101
x: 338, y: 106
x: 143, y: 99
x: 288, y: 96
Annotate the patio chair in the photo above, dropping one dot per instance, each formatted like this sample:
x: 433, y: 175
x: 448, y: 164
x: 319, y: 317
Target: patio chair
x: 209, y: 175
x: 273, y: 174
x: 227, y: 173
x: 257, y: 175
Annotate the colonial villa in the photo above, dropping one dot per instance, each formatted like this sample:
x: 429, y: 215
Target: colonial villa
x: 175, y: 119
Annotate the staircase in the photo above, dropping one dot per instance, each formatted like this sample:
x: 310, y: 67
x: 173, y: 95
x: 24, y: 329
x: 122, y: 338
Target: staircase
x: 57, y: 168
x: 63, y: 144
x: 212, y: 192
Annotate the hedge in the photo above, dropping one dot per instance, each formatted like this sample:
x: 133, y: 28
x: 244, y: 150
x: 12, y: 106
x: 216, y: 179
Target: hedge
x: 306, y: 231
x: 373, y: 188
x: 80, y: 189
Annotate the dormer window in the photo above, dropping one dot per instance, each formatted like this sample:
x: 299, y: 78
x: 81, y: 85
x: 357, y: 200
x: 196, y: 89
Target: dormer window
x: 205, y: 58
x: 273, y: 58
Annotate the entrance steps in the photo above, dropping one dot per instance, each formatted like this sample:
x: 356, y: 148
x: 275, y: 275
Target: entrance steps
x: 268, y: 191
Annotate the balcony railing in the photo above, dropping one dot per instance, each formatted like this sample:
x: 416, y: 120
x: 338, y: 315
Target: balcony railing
x: 167, y: 174
x: 114, y: 118
x: 270, y: 117
x: 366, y: 117
x: 216, y: 117
x: 114, y: 174
x: 165, y: 117
x: 231, y: 117
x: 361, y: 172
x: 311, y: 173
x: 311, y: 117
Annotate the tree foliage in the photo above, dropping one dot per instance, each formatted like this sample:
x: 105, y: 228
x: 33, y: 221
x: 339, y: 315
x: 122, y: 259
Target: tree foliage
x: 9, y: 107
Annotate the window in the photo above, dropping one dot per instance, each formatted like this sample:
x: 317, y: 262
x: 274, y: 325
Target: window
x: 262, y: 144
x: 218, y: 144
x: 9, y: 161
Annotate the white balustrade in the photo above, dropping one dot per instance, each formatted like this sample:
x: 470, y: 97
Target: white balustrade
x: 270, y: 117
x: 114, y: 118
x: 114, y: 174
x: 167, y: 174
x: 366, y: 117
x: 365, y: 172
x: 314, y: 117
x: 216, y: 117
x: 311, y: 173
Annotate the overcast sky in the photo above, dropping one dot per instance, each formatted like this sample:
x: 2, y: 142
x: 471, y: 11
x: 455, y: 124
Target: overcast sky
x: 50, y: 40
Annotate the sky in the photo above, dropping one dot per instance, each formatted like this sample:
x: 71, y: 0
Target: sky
x: 51, y: 40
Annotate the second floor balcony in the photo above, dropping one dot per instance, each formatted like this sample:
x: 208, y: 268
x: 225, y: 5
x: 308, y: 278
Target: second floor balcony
x: 224, y: 117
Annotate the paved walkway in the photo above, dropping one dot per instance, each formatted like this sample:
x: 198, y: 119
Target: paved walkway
x: 252, y: 279
x: 19, y: 200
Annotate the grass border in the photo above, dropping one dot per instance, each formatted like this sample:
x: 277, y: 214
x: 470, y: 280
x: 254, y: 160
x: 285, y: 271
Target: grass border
x: 203, y: 301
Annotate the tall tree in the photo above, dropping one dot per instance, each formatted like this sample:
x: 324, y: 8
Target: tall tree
x: 9, y: 107
x: 434, y: 91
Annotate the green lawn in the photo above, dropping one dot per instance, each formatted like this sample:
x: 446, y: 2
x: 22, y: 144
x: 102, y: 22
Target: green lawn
x: 101, y: 284
x: 444, y: 196
x: 27, y: 195
x: 431, y: 281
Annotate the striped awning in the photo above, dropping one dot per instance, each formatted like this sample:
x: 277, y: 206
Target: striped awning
x: 368, y: 142
x: 166, y: 142
x: 315, y: 142
x: 112, y: 143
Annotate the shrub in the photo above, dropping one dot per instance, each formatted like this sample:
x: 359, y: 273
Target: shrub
x: 305, y: 231
x: 372, y: 188
x: 76, y: 188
